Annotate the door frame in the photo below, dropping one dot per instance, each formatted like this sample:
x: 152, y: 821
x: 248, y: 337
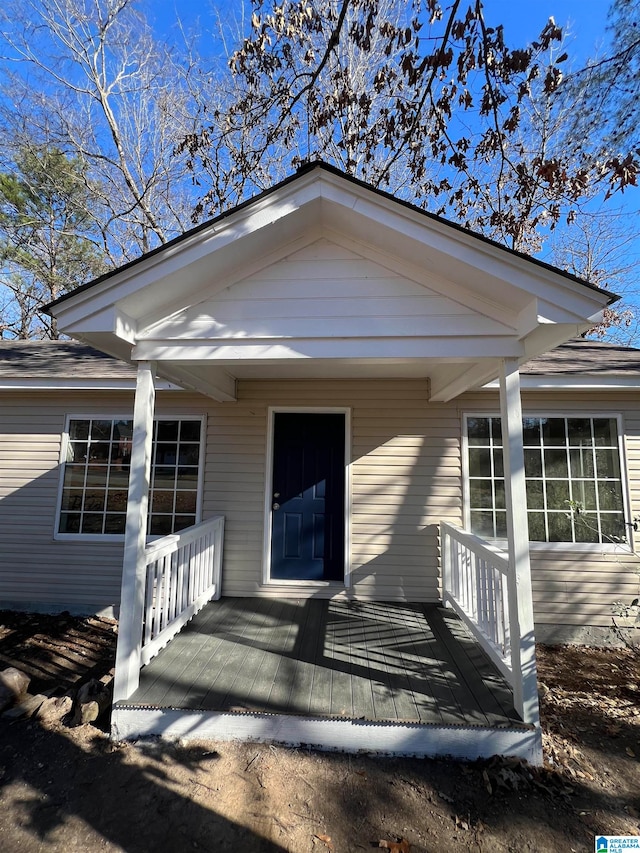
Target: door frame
x: 297, y: 586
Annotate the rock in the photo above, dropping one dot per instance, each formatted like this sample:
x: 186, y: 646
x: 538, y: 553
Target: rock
x: 54, y: 709
x: 26, y: 706
x: 13, y: 685
x: 543, y: 690
x: 92, y: 699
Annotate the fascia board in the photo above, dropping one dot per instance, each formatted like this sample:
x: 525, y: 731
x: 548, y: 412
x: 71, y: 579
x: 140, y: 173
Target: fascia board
x: 67, y: 383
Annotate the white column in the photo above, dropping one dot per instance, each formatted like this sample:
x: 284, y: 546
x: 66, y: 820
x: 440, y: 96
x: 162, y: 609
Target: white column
x: 127, y: 675
x: 523, y: 650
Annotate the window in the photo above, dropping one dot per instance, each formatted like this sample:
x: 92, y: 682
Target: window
x: 95, y: 480
x: 573, y: 477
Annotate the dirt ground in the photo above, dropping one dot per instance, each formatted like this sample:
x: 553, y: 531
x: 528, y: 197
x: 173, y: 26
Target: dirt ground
x: 71, y: 789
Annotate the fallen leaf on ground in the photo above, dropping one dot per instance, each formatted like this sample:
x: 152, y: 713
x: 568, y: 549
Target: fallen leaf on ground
x: 326, y: 839
x: 401, y: 846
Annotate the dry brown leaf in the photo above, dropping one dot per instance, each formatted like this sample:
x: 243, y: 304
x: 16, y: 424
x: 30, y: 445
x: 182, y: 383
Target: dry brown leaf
x: 326, y: 839
x: 401, y: 846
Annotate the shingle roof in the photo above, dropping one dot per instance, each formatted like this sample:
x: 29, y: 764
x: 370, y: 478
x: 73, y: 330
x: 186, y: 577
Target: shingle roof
x: 585, y: 358
x: 59, y: 360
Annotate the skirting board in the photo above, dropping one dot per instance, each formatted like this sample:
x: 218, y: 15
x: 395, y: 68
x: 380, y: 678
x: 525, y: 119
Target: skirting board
x: 423, y: 741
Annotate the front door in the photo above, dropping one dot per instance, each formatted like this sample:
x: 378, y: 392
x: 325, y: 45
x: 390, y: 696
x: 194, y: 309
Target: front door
x: 308, y: 497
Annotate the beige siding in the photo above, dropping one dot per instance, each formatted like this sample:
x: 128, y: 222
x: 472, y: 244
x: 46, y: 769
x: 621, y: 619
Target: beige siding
x: 405, y: 478
x: 571, y: 586
x: 35, y: 569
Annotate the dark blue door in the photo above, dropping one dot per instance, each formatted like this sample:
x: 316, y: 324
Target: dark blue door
x: 307, y: 497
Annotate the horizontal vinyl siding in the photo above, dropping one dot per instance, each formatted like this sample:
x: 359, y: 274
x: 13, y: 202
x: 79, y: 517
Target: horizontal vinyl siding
x: 405, y: 477
x: 570, y: 586
x: 35, y: 569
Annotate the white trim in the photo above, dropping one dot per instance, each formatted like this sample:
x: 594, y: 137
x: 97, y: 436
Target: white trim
x: 305, y: 586
x: 64, y: 443
x: 362, y: 736
x: 567, y: 547
x: 72, y: 384
x: 585, y: 382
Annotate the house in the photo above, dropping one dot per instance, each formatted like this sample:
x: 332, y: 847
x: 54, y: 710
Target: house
x: 301, y: 427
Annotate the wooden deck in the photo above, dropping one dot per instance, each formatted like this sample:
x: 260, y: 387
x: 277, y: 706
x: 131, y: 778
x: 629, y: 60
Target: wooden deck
x: 383, y: 662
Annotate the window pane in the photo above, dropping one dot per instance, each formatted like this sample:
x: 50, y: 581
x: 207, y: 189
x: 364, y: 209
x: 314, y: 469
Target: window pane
x: 535, y: 498
x: 186, y: 502
x: 496, y: 431
x: 70, y: 522
x: 187, y: 478
x: 94, y: 500
x: 190, y: 431
x: 77, y: 451
x: 72, y: 499
x: 479, y: 462
x: 605, y: 432
x: 164, y: 478
x: 553, y: 432
x: 116, y: 500
x: 500, y: 495
x: 160, y: 525
x: 579, y: 431
x: 166, y: 454
x: 559, y: 527
x: 558, y: 494
x: 92, y: 522
x: 97, y: 475
x: 610, y: 496
x: 79, y: 430
x: 607, y: 463
x: 533, y: 463
x: 584, y: 493
x: 582, y: 462
x: 501, y: 525
x: 498, y: 467
x: 115, y: 523
x: 162, y: 501
x: 531, y: 431
x: 586, y: 525
x: 168, y: 430
x: 99, y: 451
x: 189, y: 454
x: 613, y: 527
x: 74, y: 475
x: 555, y: 463
x: 480, y: 494
x: 478, y: 430
x: 183, y: 521
x: 119, y: 478
x: 101, y: 430
x: 482, y: 523
x: 537, y: 532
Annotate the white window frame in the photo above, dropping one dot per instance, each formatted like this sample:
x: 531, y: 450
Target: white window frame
x: 586, y: 547
x: 306, y: 586
x: 96, y: 416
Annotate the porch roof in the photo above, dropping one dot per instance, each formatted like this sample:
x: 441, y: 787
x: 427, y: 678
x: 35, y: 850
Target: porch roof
x: 324, y: 276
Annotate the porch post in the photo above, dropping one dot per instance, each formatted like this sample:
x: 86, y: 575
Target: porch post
x: 523, y: 651
x: 127, y: 675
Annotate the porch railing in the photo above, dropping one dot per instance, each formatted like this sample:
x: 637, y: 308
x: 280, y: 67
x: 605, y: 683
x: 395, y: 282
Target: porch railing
x: 475, y: 583
x: 182, y: 573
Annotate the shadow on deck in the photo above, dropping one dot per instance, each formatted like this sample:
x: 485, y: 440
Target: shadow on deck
x: 400, y: 678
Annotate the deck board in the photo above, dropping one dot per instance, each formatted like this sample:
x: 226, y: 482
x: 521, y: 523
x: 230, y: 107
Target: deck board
x: 328, y: 658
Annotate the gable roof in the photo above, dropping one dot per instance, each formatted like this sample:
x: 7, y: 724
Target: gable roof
x: 330, y: 169
x: 326, y: 277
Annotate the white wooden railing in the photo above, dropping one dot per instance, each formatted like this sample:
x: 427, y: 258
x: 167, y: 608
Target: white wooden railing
x: 475, y: 583
x: 182, y: 573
